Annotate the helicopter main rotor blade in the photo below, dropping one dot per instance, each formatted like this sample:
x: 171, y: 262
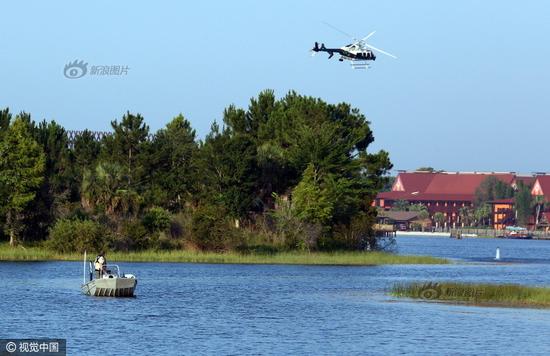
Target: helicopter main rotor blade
x: 342, y: 32
x: 379, y: 50
x: 367, y: 37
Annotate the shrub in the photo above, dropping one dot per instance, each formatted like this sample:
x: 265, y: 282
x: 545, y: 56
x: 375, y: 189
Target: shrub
x: 156, y: 219
x: 134, y: 236
x: 211, y: 229
x: 77, y: 235
x: 291, y: 230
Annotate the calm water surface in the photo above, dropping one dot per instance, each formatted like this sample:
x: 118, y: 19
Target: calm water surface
x: 244, y: 309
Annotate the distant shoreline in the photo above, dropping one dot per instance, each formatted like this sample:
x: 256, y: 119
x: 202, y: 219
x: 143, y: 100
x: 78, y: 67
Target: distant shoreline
x: 463, y: 235
x: 351, y: 258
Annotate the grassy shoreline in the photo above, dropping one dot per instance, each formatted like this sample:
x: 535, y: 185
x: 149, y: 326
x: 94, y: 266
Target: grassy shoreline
x: 492, y: 295
x: 20, y: 253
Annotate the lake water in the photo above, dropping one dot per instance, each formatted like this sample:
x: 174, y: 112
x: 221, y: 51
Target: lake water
x: 269, y: 309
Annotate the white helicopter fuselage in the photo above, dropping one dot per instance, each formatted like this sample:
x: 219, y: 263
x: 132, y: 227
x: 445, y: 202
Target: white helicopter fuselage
x: 354, y: 52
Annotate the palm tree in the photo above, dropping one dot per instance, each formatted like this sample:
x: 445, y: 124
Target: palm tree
x: 465, y: 214
x: 439, y: 219
x: 400, y: 205
x: 482, y: 213
x: 105, y: 189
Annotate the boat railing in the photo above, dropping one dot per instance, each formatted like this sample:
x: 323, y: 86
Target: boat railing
x: 110, y: 269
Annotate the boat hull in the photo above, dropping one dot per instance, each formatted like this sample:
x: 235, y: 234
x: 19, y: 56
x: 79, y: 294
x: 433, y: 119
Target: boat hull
x: 110, y: 287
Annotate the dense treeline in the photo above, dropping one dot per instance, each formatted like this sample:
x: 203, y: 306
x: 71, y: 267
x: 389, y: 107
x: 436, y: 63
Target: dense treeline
x: 292, y: 173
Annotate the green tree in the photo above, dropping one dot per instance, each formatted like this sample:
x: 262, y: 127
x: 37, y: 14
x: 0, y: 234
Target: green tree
x: 5, y: 119
x: 523, y: 203
x: 86, y: 150
x: 228, y: 167
x: 128, y: 147
x: 77, y: 235
x: 482, y: 214
x: 421, y: 209
x: 104, y: 191
x: 492, y: 188
x: 426, y: 169
x: 311, y: 198
x: 58, y: 189
x: 156, y: 219
x: 400, y: 205
x: 22, y: 164
x: 439, y: 219
x: 173, y: 164
x: 465, y: 214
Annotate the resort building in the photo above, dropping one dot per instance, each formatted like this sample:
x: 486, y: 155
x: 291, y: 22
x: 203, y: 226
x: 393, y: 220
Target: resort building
x: 448, y: 192
x: 541, y: 189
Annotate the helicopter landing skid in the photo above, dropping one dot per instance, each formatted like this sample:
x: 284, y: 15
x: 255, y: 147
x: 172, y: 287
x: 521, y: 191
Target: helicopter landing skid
x: 360, y: 65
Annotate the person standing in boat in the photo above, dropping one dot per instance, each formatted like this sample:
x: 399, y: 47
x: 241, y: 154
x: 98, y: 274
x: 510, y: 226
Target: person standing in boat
x: 100, y: 265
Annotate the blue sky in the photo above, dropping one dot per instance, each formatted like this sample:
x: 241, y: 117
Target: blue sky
x: 470, y: 90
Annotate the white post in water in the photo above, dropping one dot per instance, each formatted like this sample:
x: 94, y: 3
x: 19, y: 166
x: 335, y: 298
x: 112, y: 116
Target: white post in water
x: 497, y: 257
x: 84, y: 275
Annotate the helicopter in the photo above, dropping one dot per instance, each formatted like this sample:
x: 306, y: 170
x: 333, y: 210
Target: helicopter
x: 359, y: 52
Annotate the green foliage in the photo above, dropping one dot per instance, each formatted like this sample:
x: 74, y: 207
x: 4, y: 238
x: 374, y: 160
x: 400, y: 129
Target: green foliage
x: 22, y: 164
x: 156, y: 219
x: 491, y: 189
x: 357, y: 235
x: 5, y: 119
x: 425, y: 169
x: 523, y: 202
x: 466, y: 215
x: 401, y: 205
x: 77, y: 236
x: 128, y: 147
x: 104, y: 189
x: 229, y: 171
x: 291, y: 231
x: 439, y: 219
x: 134, y: 236
x: 482, y: 214
x: 86, y: 150
x: 510, y: 295
x: 173, y: 165
x: 421, y: 209
x: 210, y: 228
x: 311, y: 198
x: 225, y: 186
x: 59, y: 188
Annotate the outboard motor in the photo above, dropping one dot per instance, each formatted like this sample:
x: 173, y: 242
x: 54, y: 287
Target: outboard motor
x: 316, y: 47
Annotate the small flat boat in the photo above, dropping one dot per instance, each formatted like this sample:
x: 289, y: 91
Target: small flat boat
x: 111, y: 283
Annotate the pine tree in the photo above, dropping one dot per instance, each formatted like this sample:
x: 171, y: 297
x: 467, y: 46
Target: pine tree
x: 22, y: 164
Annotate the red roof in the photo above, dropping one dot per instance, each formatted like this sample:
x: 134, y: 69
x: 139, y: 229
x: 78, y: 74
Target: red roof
x: 542, y: 187
x: 439, y: 186
x: 526, y: 180
x: 424, y: 196
x: 463, y: 183
x: 412, y: 182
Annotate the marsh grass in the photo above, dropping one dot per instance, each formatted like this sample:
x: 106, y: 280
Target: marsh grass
x: 20, y: 253
x: 511, y: 295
